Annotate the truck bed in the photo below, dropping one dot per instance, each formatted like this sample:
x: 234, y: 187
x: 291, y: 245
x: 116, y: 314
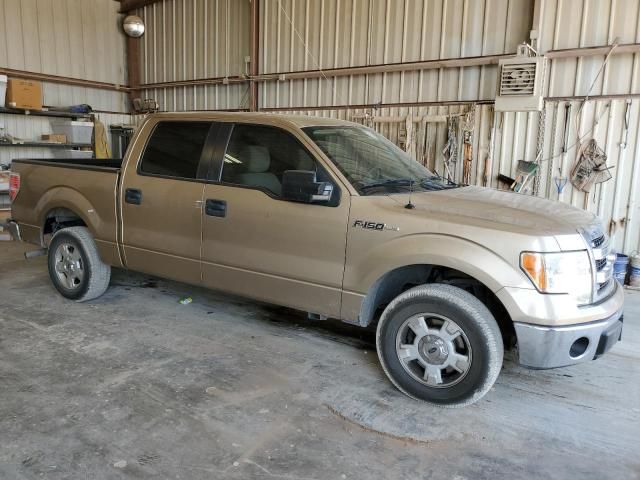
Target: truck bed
x: 51, y: 187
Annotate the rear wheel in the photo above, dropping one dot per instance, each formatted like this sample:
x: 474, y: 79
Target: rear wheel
x: 440, y: 344
x: 75, y: 268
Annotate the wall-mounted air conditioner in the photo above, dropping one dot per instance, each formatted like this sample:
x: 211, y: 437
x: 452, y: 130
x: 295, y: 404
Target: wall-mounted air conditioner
x: 521, y: 82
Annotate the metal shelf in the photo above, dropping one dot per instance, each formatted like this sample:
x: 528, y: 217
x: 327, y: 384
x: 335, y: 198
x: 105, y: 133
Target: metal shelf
x: 43, y: 113
x: 46, y: 145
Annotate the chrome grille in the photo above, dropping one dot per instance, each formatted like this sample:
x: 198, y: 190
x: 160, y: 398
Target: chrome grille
x: 602, y: 262
x: 598, y: 241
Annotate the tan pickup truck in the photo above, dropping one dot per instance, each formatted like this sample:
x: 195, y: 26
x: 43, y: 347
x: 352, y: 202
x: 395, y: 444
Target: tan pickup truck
x: 331, y: 218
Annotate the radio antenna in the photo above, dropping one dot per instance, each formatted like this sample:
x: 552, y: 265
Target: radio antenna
x: 410, y: 205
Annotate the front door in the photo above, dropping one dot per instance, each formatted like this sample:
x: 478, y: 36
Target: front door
x: 258, y: 245
x: 162, y: 201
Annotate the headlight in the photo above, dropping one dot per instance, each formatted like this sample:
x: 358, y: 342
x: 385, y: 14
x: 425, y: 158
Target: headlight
x: 562, y: 272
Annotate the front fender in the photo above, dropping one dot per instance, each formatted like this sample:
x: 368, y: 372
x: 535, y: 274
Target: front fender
x: 361, y: 278
x: 461, y: 254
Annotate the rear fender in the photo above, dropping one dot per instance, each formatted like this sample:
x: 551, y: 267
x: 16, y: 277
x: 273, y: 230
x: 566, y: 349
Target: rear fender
x: 70, y: 199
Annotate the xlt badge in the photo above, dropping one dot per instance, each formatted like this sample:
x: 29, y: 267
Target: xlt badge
x: 374, y: 225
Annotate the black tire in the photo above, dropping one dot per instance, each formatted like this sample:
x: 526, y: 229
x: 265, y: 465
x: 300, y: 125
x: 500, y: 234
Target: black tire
x: 478, y: 329
x: 96, y: 274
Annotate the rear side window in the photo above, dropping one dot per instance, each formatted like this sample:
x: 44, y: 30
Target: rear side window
x: 174, y: 149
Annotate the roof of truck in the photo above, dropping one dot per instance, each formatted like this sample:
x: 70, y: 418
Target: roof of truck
x: 255, y: 117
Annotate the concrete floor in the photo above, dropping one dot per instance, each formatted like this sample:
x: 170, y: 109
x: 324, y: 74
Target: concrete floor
x: 136, y: 385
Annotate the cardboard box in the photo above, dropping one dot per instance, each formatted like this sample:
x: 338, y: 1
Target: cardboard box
x: 24, y: 94
x: 54, y: 138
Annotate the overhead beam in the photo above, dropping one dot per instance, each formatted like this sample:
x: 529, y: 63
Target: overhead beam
x: 128, y: 5
x: 593, y: 51
x: 76, y: 82
x: 254, y: 79
x: 388, y: 67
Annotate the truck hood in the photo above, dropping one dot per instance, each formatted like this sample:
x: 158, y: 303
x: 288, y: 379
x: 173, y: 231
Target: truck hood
x: 512, y: 211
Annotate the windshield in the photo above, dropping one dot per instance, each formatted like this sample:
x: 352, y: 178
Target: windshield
x: 373, y: 164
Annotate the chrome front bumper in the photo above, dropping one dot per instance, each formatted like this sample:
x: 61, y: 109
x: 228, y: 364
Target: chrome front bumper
x: 551, y: 347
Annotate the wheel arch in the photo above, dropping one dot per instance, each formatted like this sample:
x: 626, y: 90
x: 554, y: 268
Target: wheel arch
x: 396, y: 281
x: 64, y: 206
x: 61, y: 217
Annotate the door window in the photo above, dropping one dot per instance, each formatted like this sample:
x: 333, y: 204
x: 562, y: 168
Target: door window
x: 175, y: 149
x: 258, y: 156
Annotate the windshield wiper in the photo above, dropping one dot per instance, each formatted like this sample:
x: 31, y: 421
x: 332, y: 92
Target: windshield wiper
x: 433, y: 182
x: 391, y: 182
x: 436, y: 182
x: 437, y: 176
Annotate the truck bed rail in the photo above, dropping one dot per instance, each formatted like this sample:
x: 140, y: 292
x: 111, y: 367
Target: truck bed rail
x: 78, y: 163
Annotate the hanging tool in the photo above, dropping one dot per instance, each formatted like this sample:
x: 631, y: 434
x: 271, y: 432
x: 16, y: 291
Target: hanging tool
x: 467, y: 145
x: 627, y: 115
x: 590, y: 168
x: 450, y: 151
x: 488, y: 161
x: 565, y: 136
x: 524, y: 173
x: 560, y: 182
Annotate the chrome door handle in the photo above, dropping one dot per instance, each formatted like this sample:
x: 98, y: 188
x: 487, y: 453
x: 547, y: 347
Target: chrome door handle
x: 215, y: 208
x: 133, y: 196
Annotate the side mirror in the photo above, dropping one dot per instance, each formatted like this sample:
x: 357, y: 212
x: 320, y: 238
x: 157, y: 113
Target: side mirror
x: 301, y: 186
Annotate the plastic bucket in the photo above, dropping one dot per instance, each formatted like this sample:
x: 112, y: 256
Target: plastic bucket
x: 634, y: 277
x: 620, y: 267
x: 621, y: 263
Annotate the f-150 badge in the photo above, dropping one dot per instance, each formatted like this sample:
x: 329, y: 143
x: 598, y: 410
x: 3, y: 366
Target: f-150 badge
x: 367, y: 225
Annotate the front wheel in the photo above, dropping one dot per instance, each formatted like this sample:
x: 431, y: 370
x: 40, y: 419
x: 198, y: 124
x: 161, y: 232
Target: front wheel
x: 75, y: 268
x: 440, y: 344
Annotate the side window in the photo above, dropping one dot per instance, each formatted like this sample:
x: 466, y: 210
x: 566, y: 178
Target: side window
x: 258, y: 156
x: 174, y: 149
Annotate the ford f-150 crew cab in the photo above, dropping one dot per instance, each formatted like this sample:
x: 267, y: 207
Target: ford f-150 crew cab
x: 329, y: 217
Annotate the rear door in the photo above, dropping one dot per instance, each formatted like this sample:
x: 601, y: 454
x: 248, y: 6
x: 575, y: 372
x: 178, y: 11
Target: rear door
x: 161, y: 198
x: 259, y: 245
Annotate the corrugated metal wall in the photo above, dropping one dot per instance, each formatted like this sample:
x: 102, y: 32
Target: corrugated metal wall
x: 323, y: 34
x: 196, y: 39
x: 588, y: 23
x: 71, y: 38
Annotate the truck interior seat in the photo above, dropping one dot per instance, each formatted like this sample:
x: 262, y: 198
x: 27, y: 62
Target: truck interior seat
x: 257, y: 161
